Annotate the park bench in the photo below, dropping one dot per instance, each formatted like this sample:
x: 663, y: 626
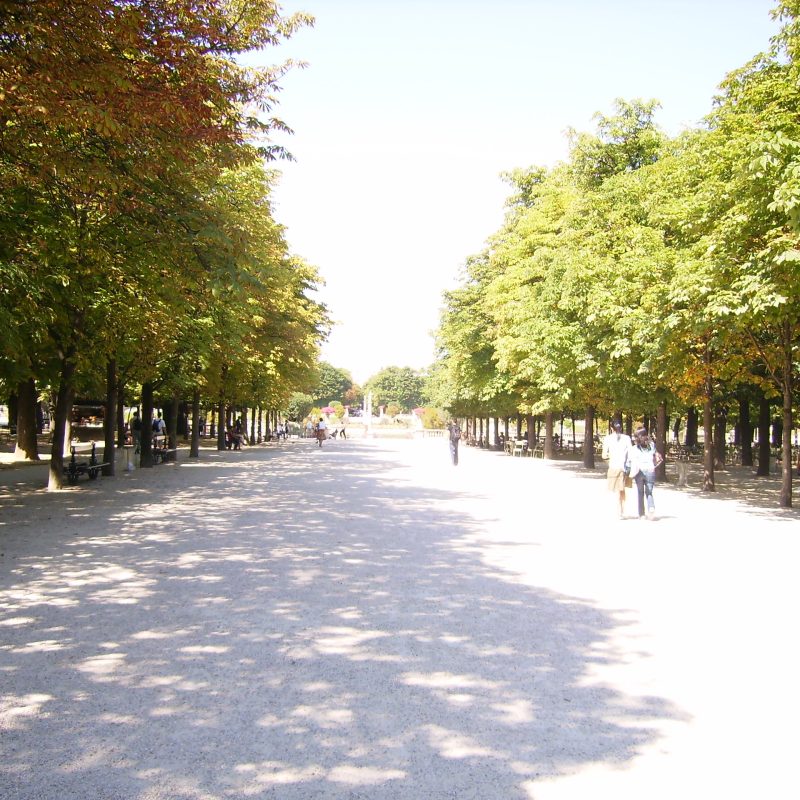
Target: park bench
x: 91, y: 468
x: 161, y: 449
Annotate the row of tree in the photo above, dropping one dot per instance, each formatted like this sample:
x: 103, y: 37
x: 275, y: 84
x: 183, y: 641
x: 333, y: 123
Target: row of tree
x: 646, y: 273
x: 138, y: 249
x: 399, y: 389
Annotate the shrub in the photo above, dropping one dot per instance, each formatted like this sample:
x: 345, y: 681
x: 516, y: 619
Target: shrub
x: 433, y: 418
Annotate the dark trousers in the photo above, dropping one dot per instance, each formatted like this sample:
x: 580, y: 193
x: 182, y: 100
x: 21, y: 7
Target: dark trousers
x: 454, y: 451
x: 644, y: 488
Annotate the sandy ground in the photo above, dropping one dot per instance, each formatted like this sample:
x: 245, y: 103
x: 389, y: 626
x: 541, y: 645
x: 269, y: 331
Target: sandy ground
x: 367, y: 621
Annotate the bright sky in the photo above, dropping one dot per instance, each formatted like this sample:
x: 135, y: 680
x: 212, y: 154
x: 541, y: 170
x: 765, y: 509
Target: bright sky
x: 409, y: 111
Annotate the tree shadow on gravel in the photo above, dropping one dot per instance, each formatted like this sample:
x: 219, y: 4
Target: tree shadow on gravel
x: 293, y: 625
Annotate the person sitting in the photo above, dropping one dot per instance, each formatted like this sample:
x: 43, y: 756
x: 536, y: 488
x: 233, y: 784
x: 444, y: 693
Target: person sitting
x: 233, y: 439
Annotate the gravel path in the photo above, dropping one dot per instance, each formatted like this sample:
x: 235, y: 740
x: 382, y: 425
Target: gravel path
x: 367, y: 621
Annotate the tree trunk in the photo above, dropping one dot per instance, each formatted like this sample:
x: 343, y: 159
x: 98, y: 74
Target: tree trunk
x: 720, y: 440
x: 745, y: 431
x: 588, y: 440
x: 786, y: 445
x: 27, y: 445
x: 662, y: 423
x: 120, y: 412
x: 194, y: 447
x: 530, y: 420
x: 691, y: 427
x: 184, y: 427
x: 173, y: 410
x: 221, y: 426
x: 708, y: 436
x: 253, y: 426
x: 109, y: 419
x: 548, y: 435
x: 61, y: 413
x: 260, y: 425
x: 13, y: 411
x: 777, y: 432
x: 676, y: 429
x: 763, y: 436
x: 519, y: 426
x: 146, y: 448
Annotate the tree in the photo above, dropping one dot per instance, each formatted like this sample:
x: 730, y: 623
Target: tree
x: 332, y: 383
x: 110, y: 112
x: 400, y: 385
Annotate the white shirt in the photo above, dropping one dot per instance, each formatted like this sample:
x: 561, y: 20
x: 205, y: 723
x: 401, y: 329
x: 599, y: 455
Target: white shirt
x: 615, y: 449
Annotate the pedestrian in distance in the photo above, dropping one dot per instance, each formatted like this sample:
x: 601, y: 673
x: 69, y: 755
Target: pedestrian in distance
x: 159, y: 426
x: 322, y: 431
x: 616, y: 449
x: 454, y: 435
x: 136, y: 431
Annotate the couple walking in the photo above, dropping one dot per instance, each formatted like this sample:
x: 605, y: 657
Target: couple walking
x: 630, y: 461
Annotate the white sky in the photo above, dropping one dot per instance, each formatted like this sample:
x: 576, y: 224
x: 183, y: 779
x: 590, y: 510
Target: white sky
x: 409, y: 111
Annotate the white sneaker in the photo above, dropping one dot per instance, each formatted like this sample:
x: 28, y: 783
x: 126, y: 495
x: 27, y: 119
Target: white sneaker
x: 651, y: 515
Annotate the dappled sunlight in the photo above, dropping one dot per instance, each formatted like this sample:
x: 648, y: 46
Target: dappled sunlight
x: 103, y: 666
x: 343, y: 615
x: 347, y: 642
x: 354, y: 775
x: 273, y: 772
x: 14, y: 708
x: 454, y: 744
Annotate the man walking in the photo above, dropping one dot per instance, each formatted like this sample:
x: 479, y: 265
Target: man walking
x: 454, y: 432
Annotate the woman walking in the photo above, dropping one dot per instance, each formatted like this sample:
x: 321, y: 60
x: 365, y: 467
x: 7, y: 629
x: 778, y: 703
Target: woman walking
x: 616, y: 447
x: 644, y: 459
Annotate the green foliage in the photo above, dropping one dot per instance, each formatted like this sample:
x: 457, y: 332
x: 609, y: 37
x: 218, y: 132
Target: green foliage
x: 332, y: 383
x: 402, y: 386
x: 138, y: 226
x: 299, y: 406
x: 644, y: 269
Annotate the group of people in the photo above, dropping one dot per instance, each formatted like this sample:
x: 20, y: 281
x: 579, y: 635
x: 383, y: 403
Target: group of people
x: 133, y: 430
x: 320, y: 431
x: 629, y: 461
